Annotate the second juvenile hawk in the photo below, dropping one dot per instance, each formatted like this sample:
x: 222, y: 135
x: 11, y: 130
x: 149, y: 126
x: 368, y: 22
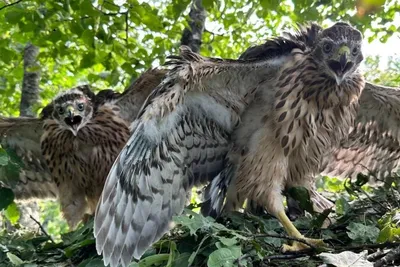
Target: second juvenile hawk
x: 68, y: 151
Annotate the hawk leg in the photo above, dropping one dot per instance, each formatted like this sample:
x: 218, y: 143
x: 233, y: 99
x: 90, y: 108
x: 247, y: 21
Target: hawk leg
x: 293, y: 232
x: 73, y: 205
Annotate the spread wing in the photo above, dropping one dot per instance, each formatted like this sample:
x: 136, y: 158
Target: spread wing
x: 132, y: 99
x: 373, y: 145
x: 21, y: 138
x: 179, y: 139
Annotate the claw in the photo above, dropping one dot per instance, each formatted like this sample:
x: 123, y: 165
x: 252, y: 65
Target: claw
x: 299, y: 246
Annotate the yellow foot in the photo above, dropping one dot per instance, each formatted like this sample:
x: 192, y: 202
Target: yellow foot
x: 298, y: 246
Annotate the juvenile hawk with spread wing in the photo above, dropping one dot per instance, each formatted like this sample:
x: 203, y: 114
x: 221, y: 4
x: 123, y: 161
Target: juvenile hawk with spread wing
x: 68, y: 151
x: 304, y: 89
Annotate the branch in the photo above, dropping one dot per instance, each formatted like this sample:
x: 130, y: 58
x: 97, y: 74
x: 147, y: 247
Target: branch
x: 42, y: 229
x: 369, y: 246
x: 285, y: 256
x: 287, y: 238
x: 3, y: 7
x: 192, y: 37
x: 30, y: 82
x: 389, y: 258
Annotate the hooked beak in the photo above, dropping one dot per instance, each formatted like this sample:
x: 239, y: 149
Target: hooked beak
x: 70, y: 112
x: 73, y: 120
x: 341, y: 65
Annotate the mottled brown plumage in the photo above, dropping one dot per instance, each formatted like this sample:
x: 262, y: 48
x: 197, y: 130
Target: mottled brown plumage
x: 372, y: 145
x: 73, y: 145
x: 79, y: 149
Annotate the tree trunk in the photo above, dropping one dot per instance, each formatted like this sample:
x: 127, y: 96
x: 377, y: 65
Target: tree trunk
x: 30, y: 83
x: 192, y: 37
x: 29, y: 97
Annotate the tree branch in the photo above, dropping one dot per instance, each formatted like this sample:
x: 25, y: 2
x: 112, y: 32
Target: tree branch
x: 16, y: 2
x: 192, y: 37
x: 312, y: 247
x: 42, y: 229
x: 389, y: 258
x: 30, y: 83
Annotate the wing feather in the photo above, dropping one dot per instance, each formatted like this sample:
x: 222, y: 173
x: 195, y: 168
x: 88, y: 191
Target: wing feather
x: 21, y: 136
x: 373, y: 144
x: 180, y: 139
x: 132, y: 99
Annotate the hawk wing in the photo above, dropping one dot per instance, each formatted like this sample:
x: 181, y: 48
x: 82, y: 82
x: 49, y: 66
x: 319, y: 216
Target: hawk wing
x: 180, y: 139
x: 132, y: 99
x: 373, y: 145
x: 21, y: 136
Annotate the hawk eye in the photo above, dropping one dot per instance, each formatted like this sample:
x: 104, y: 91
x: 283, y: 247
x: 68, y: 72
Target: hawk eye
x: 355, y: 51
x: 327, y: 47
x: 60, y: 110
x: 81, y: 106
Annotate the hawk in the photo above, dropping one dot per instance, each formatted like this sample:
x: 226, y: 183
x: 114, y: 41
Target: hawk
x: 68, y: 151
x: 183, y: 132
x: 308, y: 108
x: 371, y: 147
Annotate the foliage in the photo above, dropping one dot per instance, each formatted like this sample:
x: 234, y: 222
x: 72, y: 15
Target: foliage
x: 236, y: 239
x: 107, y: 44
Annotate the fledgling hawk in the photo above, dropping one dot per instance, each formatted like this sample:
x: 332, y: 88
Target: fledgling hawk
x: 182, y: 134
x: 371, y: 146
x: 68, y: 151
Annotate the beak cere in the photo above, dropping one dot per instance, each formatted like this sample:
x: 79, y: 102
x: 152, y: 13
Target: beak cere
x: 341, y: 66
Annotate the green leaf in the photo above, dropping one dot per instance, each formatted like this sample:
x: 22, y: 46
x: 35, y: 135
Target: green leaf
x: 14, y: 259
x: 110, y: 6
x: 6, y: 197
x: 224, y: 257
x: 194, y: 223
x: 13, y: 16
x: 3, y: 157
x: 228, y: 241
x: 87, y: 60
x: 88, y: 38
x: 153, y: 260
x: 12, y: 213
x: 342, y: 206
x: 362, y: 233
x: 303, y: 197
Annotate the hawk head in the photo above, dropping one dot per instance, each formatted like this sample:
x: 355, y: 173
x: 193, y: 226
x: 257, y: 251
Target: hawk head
x: 338, y: 51
x: 73, y: 109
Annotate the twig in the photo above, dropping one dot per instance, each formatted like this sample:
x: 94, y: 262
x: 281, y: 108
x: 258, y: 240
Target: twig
x: 42, y: 229
x: 244, y: 256
x: 16, y: 2
x: 285, y: 256
x: 389, y: 258
x: 374, y: 256
x: 369, y: 246
x: 288, y: 238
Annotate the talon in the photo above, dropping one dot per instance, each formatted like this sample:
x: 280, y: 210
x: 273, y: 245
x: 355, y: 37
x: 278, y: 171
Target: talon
x: 298, y: 246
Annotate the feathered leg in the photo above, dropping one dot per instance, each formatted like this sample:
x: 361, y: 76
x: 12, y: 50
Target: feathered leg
x: 267, y: 191
x: 73, y: 204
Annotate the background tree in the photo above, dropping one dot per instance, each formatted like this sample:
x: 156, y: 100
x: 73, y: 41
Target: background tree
x: 109, y: 43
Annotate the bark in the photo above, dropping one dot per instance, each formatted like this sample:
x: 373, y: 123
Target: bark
x: 29, y: 97
x: 30, y: 83
x: 192, y: 37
